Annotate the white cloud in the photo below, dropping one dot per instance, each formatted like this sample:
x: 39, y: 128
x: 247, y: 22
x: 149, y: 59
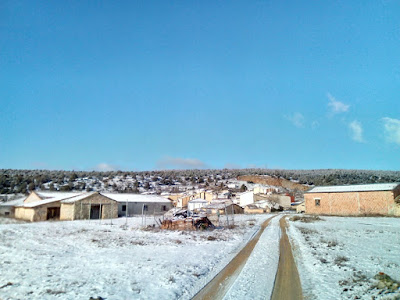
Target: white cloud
x: 180, y: 163
x: 392, y: 130
x: 104, y: 167
x: 297, y: 119
x: 356, y: 131
x: 337, y: 106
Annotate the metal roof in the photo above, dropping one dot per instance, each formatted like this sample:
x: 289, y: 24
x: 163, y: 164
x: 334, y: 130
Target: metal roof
x: 136, y: 198
x: 354, y: 188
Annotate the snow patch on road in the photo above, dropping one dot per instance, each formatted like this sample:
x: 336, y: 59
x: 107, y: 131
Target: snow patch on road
x: 256, y: 280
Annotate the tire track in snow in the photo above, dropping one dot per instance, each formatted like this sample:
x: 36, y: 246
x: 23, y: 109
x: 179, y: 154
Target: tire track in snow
x: 256, y: 280
x: 221, y: 284
x: 287, y: 282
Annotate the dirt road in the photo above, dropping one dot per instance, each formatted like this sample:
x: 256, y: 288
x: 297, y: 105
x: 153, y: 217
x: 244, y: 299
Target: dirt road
x: 287, y: 281
x: 217, y: 288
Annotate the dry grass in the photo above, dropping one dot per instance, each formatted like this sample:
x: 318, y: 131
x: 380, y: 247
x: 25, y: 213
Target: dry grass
x: 340, y: 260
x: 307, y: 231
x: 305, y: 219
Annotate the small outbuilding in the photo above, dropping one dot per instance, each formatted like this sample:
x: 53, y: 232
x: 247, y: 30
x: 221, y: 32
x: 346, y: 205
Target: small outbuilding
x: 364, y: 199
x: 222, y: 206
x: 137, y: 204
x: 196, y: 204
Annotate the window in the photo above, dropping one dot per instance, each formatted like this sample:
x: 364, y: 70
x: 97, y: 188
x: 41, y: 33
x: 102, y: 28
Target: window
x: 123, y: 207
x: 145, y: 208
x: 317, y: 202
x: 7, y: 213
x: 164, y: 208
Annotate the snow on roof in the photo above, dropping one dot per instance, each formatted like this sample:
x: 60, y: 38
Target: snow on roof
x: 57, y: 195
x: 41, y: 202
x: 78, y: 197
x: 49, y: 197
x: 15, y: 202
x: 198, y: 200
x: 137, y: 198
x: 354, y: 188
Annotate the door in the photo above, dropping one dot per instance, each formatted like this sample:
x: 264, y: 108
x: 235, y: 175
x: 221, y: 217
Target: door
x: 53, y: 213
x: 95, y: 212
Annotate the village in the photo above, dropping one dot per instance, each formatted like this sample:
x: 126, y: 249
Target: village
x: 226, y: 221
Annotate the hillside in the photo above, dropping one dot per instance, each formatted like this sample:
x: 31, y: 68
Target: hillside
x: 23, y: 181
x: 268, y: 180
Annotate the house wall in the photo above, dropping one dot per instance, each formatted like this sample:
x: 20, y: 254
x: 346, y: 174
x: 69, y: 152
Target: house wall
x: 7, y: 211
x: 246, y: 199
x: 34, y: 214
x: 353, y: 203
x: 67, y: 211
x: 135, y: 208
x: 283, y: 200
x: 232, y: 207
x: 193, y: 206
x: 248, y: 210
x: 184, y: 201
x: 81, y: 209
x: 206, y: 196
x: 23, y: 213
x: 40, y: 212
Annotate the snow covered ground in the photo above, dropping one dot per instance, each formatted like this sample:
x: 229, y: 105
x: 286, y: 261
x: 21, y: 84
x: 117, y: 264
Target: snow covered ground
x: 256, y: 281
x: 83, y: 259
x: 338, y: 257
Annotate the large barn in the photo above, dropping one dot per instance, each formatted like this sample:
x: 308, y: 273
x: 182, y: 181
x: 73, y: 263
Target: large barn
x: 66, y: 206
x: 365, y: 199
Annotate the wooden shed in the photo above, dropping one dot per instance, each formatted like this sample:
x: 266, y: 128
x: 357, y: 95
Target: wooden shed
x: 365, y: 199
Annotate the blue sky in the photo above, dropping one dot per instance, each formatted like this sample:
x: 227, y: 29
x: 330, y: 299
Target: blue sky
x: 143, y: 85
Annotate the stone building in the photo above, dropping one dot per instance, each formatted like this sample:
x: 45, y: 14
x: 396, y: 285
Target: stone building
x: 66, y: 206
x: 352, y: 200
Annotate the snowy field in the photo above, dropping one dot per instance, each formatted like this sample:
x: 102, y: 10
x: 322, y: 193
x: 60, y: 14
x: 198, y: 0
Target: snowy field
x: 339, y: 257
x: 83, y: 259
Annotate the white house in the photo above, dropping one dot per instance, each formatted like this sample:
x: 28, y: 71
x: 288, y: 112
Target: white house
x: 246, y: 198
x: 196, y: 204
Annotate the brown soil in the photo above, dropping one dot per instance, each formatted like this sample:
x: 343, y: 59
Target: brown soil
x: 274, y: 181
x: 287, y: 282
x: 217, y: 287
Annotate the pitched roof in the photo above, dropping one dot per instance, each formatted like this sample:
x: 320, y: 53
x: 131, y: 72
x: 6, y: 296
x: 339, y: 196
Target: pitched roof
x: 14, y: 202
x: 50, y: 197
x: 78, y: 197
x: 354, y: 188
